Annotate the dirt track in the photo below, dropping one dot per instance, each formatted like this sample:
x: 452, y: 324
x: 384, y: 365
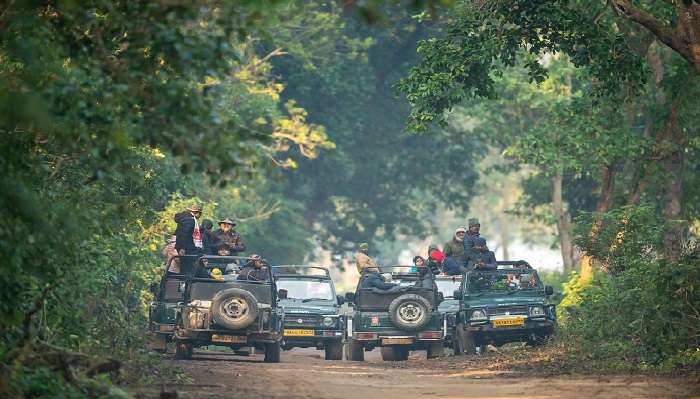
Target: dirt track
x: 304, y: 374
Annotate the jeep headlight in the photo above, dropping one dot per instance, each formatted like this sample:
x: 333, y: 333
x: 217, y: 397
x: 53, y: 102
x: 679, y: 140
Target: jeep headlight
x: 328, y: 322
x: 478, y: 315
x: 536, y: 311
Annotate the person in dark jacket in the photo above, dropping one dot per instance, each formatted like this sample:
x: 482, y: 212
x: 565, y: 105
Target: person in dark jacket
x: 451, y: 267
x: 472, y: 233
x: 455, y: 247
x: 188, y: 236
x: 226, y: 241
x: 426, y: 279
x: 375, y: 280
x: 255, y: 270
x: 480, y: 257
x: 207, y: 237
x: 435, y: 259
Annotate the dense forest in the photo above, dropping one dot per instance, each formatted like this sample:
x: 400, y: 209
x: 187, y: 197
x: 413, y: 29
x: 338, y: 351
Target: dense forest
x: 317, y: 125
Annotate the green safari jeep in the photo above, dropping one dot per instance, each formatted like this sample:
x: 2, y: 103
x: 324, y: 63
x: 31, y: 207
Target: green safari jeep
x: 397, y: 320
x: 311, y: 309
x: 219, y: 309
x: 497, y: 306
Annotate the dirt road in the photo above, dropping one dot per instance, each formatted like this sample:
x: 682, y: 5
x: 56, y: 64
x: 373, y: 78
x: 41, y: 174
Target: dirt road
x: 304, y: 374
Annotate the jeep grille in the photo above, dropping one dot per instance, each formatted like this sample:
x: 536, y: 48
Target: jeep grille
x: 508, y: 310
x: 293, y: 320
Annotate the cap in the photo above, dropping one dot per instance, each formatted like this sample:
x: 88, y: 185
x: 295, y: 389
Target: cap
x: 364, y: 245
x: 195, y: 208
x: 227, y: 221
x: 473, y: 222
x: 254, y: 257
x: 479, y: 241
x: 461, y: 229
x: 433, y: 246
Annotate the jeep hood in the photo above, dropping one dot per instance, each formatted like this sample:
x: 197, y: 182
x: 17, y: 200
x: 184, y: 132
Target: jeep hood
x: 449, y: 306
x: 505, y: 300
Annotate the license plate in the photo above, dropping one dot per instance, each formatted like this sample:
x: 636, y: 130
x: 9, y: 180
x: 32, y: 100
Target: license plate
x: 397, y: 341
x: 229, y: 339
x: 518, y: 321
x: 298, y: 333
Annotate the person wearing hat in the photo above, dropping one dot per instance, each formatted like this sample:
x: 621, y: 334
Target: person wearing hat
x: 255, y: 270
x: 435, y: 259
x: 479, y: 257
x: 455, y: 247
x: 472, y: 233
x: 226, y: 241
x: 188, y: 236
x: 364, y: 263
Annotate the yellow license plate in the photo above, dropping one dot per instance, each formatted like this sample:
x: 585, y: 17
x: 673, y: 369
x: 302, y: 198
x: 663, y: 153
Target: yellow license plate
x: 397, y: 341
x: 298, y: 333
x: 229, y: 339
x: 517, y: 321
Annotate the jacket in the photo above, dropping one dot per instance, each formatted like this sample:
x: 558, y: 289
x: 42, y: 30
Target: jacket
x: 451, y: 267
x: 469, y: 242
x: 484, y: 259
x: 183, y: 233
x: 455, y: 250
x: 364, y: 263
x: 230, y: 241
x: 252, y: 273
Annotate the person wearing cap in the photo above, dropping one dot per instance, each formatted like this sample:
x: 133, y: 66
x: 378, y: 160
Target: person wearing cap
x: 455, y: 247
x: 364, y: 263
x: 255, y: 270
x: 226, y: 241
x: 472, y: 233
x: 188, y: 236
x: 479, y: 257
x: 435, y: 259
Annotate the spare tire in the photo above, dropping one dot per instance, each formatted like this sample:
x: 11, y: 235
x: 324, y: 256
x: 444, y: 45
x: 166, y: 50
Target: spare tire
x: 409, y: 312
x: 234, y: 308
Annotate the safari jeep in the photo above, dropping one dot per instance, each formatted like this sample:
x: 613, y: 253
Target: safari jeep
x: 166, y: 296
x: 504, y: 305
x: 311, y: 309
x: 449, y: 307
x: 399, y: 320
x: 225, y: 311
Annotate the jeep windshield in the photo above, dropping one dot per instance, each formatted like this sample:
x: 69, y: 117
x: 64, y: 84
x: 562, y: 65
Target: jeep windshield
x: 505, y: 281
x: 307, y: 290
x: 448, y: 286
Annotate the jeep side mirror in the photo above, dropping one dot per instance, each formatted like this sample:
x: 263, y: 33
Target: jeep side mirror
x: 153, y: 288
x: 341, y: 299
x: 457, y: 294
x: 548, y: 290
x: 350, y: 297
x: 282, y: 294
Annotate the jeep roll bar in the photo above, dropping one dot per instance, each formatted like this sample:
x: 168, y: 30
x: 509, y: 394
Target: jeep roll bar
x: 283, y: 268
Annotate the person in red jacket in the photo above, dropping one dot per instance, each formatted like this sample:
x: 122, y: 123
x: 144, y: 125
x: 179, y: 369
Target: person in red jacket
x: 435, y: 259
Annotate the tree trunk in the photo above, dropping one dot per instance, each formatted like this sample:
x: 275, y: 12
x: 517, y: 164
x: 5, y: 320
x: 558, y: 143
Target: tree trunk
x: 505, y: 235
x: 673, y: 188
x: 603, y: 205
x: 563, y: 224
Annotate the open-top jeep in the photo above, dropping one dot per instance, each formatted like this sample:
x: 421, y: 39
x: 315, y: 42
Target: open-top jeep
x: 225, y: 311
x: 311, y: 309
x: 447, y: 285
x: 397, y: 320
x: 166, y: 296
x: 502, y: 305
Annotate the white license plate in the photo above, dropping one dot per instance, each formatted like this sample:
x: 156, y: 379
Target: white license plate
x: 229, y: 339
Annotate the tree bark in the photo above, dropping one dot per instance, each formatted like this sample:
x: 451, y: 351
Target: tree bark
x: 603, y: 205
x: 673, y: 187
x: 563, y: 224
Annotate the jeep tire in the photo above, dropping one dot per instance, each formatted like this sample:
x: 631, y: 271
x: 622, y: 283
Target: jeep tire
x: 464, y: 342
x: 435, y: 350
x: 356, y: 351
x: 234, y: 308
x: 394, y: 353
x: 334, y: 350
x: 409, y: 312
x: 272, y: 352
x: 183, y: 349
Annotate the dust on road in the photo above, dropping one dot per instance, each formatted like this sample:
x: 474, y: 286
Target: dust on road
x: 304, y: 374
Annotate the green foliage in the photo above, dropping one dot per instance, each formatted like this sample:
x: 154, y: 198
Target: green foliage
x: 645, y: 316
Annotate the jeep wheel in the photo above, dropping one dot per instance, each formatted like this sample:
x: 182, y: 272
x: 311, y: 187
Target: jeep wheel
x: 409, y: 312
x: 464, y: 342
x: 394, y: 353
x: 183, y: 350
x: 334, y: 350
x: 234, y: 308
x: 272, y: 352
x: 435, y: 350
x: 356, y: 351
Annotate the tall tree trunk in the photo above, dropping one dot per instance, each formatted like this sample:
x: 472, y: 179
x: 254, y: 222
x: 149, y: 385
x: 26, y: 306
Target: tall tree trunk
x: 505, y: 234
x: 563, y: 224
x: 673, y: 188
x: 603, y: 205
